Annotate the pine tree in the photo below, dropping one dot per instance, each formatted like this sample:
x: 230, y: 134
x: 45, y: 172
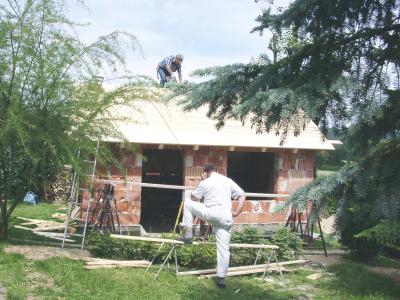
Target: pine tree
x: 339, y: 66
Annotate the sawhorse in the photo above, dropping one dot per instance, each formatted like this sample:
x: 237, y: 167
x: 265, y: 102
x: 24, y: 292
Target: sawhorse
x: 268, y: 250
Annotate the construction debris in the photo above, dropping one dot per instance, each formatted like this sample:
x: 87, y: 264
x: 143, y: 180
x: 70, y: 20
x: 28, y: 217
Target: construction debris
x: 44, y: 228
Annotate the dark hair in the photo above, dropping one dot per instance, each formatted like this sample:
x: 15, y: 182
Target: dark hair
x: 208, y: 168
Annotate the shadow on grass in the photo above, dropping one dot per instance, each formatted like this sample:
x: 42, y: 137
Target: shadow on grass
x: 354, y: 280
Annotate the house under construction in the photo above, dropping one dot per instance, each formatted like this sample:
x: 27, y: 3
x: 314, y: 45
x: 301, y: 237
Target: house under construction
x: 172, y: 148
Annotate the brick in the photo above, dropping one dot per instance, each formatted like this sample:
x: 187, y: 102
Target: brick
x: 262, y: 218
x: 117, y: 172
x: 264, y: 206
x: 137, y: 205
x: 309, y: 164
x: 199, y: 160
x: 252, y: 218
x: 123, y: 206
x: 247, y: 206
x: 239, y: 219
x: 234, y: 205
x: 124, y: 219
x: 85, y: 205
x: 134, y: 219
x: 129, y: 195
x: 137, y: 171
x: 309, y: 174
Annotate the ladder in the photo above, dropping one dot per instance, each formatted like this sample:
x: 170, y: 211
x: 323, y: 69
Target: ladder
x: 73, y: 200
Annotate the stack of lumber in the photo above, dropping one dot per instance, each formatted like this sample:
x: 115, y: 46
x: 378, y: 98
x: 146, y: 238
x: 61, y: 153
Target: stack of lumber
x: 95, y: 263
x: 44, y: 228
x: 244, y: 270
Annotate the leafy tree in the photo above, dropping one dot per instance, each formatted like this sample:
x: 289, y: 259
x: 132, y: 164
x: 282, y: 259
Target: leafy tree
x: 339, y: 66
x: 51, y: 100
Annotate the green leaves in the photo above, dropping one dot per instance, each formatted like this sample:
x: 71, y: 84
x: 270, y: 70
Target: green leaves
x: 52, y: 101
x: 337, y: 64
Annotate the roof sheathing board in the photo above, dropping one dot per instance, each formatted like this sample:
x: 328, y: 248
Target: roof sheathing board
x: 167, y: 123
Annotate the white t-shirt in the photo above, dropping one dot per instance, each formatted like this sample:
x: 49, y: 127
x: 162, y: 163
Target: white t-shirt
x: 218, y: 190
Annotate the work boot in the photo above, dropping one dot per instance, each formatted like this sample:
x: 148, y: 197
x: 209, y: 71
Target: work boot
x: 220, y: 282
x: 186, y: 241
x: 187, y: 237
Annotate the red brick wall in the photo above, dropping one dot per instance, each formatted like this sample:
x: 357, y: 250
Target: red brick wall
x: 291, y: 171
x: 195, y: 160
x: 127, y: 195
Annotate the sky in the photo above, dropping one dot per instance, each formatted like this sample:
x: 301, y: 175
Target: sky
x: 206, y: 32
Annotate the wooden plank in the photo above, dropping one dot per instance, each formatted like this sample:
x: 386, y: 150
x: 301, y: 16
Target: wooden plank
x: 31, y: 220
x: 113, y: 266
x: 246, y: 272
x: 261, y: 195
x: 22, y: 227
x: 171, y: 241
x: 242, y: 268
x: 116, y: 262
x: 181, y: 187
x: 145, y: 239
x: 50, y: 228
x: 255, y: 246
x: 53, y: 235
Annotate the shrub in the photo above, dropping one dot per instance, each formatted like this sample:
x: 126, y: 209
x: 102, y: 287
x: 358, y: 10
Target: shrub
x: 289, y: 243
x: 102, y: 245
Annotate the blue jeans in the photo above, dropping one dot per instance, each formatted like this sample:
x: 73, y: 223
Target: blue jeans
x: 163, y: 76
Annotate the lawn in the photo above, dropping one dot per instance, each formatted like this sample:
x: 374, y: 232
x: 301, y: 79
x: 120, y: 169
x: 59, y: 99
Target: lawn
x: 42, y: 211
x: 63, y: 278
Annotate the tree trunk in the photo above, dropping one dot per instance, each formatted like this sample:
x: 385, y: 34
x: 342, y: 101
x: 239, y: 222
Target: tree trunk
x: 3, y: 224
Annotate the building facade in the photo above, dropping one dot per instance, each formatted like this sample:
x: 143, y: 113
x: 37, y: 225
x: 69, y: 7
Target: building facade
x: 172, y: 147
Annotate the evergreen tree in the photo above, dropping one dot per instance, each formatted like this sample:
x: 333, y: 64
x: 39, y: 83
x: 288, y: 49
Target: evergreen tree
x: 51, y: 102
x: 339, y: 66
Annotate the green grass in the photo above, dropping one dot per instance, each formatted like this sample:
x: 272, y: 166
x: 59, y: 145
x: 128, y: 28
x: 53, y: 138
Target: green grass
x: 42, y: 211
x: 70, y: 280
x: 330, y: 242
x: 352, y: 280
x: 59, y: 278
x: 384, y: 261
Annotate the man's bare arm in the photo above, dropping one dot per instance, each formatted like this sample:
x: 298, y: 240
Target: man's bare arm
x: 194, y: 198
x: 241, y: 200
x: 180, y: 76
x: 168, y: 67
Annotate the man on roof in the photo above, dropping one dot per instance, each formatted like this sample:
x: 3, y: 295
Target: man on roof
x: 168, y: 66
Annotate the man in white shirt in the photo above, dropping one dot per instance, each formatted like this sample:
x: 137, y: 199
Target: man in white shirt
x: 217, y: 192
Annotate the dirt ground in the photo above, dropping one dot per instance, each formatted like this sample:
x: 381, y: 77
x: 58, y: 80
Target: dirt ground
x: 394, y: 274
x: 390, y: 272
x: 2, y: 293
x: 322, y: 260
x: 41, y: 252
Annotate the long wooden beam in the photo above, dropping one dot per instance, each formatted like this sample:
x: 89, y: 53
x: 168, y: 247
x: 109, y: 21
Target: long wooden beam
x: 171, y: 241
x: 181, y: 187
x: 98, y: 262
x: 150, y: 239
